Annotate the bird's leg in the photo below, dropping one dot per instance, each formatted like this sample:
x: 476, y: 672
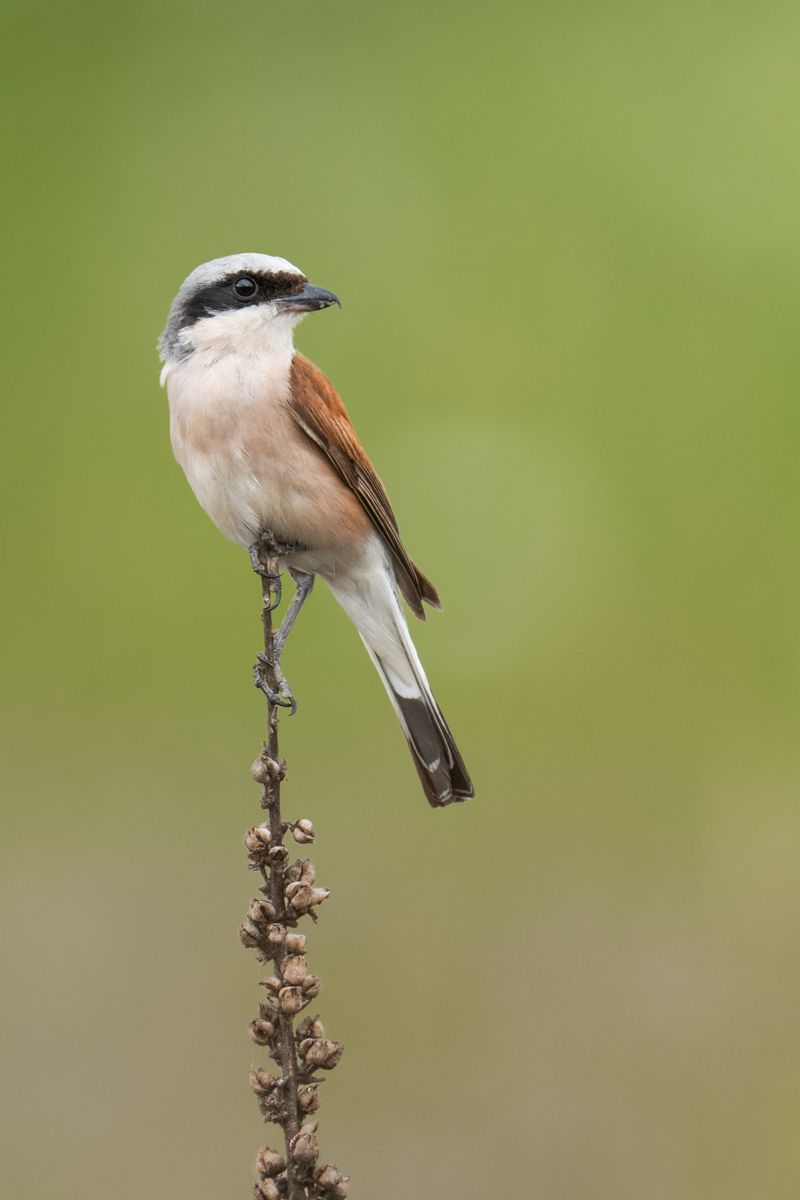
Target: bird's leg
x: 303, y: 582
x: 268, y: 547
x: 284, y: 696
x: 264, y: 554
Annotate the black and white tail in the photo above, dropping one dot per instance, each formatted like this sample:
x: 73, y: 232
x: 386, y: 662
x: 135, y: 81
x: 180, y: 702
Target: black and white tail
x: 370, y: 600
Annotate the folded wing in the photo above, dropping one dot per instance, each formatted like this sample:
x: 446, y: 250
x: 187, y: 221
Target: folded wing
x: 320, y: 413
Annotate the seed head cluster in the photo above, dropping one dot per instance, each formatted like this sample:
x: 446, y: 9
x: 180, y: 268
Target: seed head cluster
x: 287, y: 1092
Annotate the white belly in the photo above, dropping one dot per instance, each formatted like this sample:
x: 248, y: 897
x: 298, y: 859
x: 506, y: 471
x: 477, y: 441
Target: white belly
x: 218, y: 406
x: 232, y: 498
x: 248, y: 463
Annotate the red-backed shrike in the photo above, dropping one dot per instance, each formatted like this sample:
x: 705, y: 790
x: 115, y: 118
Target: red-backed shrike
x: 267, y: 444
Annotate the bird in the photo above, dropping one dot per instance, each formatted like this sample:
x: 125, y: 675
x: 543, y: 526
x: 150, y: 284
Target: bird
x: 266, y: 444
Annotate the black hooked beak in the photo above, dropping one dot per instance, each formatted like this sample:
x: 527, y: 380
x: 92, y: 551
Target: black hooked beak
x: 308, y: 299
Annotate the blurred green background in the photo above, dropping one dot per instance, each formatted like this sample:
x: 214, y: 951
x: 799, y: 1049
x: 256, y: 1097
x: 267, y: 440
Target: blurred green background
x: 566, y: 240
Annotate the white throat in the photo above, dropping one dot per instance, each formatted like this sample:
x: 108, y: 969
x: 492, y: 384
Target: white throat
x: 250, y: 335
x: 248, y: 331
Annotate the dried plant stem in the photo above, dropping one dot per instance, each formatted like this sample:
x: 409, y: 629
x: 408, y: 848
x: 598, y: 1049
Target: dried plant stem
x: 288, y: 894
x: 274, y: 879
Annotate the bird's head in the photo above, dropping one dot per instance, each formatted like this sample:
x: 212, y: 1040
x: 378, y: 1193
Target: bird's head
x: 237, y: 302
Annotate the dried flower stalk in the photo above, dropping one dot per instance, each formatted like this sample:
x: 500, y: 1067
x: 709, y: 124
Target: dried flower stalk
x: 287, y: 895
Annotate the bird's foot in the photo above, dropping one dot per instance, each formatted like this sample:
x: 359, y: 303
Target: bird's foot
x: 258, y: 566
x: 267, y: 546
x: 283, y: 695
x: 264, y: 554
x: 271, y: 579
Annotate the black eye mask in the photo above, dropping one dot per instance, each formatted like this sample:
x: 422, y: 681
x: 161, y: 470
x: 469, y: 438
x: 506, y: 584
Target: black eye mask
x: 238, y: 291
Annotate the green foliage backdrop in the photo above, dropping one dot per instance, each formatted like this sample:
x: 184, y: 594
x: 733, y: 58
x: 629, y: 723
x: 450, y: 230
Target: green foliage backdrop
x: 565, y: 236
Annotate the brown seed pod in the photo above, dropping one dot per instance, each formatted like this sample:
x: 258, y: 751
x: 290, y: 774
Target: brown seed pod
x: 262, y: 1082
x: 304, y: 1146
x: 295, y: 943
x: 265, y: 768
x: 267, y: 1189
x: 311, y: 986
x: 303, y: 832
x: 249, y: 935
x: 322, y: 1053
x: 308, y: 1098
x: 308, y: 872
x: 258, y: 839
x: 303, y: 898
x: 310, y: 1027
x: 269, y: 1163
x: 301, y: 871
x: 262, y: 1032
x: 259, y: 771
x: 299, y: 897
x: 294, y: 969
x: 261, y: 911
x: 291, y: 1000
x: 327, y: 1176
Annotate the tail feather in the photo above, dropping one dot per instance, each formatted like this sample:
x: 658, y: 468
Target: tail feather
x: 439, y: 765
x: 372, y: 605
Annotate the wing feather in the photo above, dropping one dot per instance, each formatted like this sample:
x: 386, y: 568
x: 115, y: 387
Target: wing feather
x: 320, y: 413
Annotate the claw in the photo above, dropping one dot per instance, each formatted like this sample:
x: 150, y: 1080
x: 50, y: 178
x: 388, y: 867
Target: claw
x: 273, y: 582
x: 274, y: 589
x: 284, y: 696
x: 256, y: 563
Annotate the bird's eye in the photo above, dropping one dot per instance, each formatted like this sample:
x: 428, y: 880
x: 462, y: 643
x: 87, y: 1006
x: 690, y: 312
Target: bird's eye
x: 245, y: 287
